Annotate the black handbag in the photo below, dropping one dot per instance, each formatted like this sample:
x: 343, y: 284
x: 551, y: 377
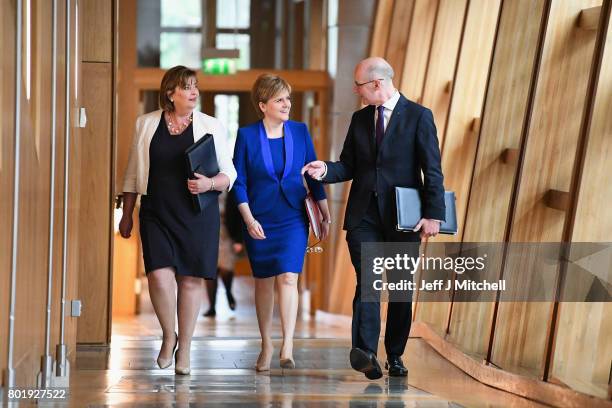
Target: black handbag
x: 201, y: 158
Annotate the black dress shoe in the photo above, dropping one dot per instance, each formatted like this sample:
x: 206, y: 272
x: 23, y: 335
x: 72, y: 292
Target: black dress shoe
x: 396, y: 367
x: 365, y: 362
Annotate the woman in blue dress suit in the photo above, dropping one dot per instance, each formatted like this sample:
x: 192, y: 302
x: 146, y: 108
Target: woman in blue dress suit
x: 270, y: 192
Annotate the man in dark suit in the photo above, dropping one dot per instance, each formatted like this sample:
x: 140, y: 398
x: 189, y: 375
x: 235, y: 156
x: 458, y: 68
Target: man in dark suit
x: 390, y: 142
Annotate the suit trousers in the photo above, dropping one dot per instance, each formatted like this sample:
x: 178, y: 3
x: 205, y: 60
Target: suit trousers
x: 366, y: 314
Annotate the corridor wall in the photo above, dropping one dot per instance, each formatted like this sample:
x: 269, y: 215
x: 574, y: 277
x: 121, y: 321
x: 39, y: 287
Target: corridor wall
x: 34, y: 189
x: 518, y: 90
x: 89, y: 163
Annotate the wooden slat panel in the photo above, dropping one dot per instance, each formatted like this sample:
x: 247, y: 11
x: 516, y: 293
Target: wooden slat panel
x: 418, y: 47
x: 7, y: 98
x: 398, y: 36
x: 382, y: 25
x: 97, y: 33
x: 548, y: 163
x: 532, y: 389
x: 443, y: 60
x: 317, y: 41
x: 497, y: 159
x: 94, y: 214
x: 589, y: 18
x: 585, y: 329
x: 461, y: 139
x: 463, y: 123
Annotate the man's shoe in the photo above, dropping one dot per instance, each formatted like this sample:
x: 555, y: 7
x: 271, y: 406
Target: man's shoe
x: 365, y: 362
x: 396, y: 367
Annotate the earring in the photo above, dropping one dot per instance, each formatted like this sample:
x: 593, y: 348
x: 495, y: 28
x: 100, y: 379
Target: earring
x: 172, y: 100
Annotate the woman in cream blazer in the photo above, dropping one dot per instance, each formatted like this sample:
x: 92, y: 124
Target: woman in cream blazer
x: 180, y: 246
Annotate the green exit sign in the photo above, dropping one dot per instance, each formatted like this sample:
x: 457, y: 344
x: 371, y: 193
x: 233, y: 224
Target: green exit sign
x: 219, y: 66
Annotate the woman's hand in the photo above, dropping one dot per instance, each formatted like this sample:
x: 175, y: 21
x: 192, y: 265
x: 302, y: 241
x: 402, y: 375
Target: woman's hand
x: 325, y: 230
x: 201, y: 184
x: 255, y: 230
x: 125, y: 225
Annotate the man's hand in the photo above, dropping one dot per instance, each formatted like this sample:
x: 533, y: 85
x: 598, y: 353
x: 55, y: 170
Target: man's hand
x: 315, y: 169
x: 428, y: 227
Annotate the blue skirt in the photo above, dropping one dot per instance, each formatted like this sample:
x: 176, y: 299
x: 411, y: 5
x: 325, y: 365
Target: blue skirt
x: 283, y: 250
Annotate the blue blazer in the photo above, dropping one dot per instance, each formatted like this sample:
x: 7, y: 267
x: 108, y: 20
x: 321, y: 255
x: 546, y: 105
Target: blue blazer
x: 256, y: 182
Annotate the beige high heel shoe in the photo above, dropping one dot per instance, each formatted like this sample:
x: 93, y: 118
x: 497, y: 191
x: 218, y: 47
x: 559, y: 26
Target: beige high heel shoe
x: 260, y: 366
x: 167, y: 362
x: 287, y: 363
x: 178, y: 369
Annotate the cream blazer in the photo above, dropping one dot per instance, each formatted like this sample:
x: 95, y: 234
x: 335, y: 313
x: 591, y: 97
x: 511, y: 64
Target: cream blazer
x: 137, y: 172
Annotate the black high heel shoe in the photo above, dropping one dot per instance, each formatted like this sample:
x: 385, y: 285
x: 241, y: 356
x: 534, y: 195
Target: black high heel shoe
x: 231, y: 301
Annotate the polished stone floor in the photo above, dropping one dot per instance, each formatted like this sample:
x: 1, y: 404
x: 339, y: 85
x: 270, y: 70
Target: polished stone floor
x: 223, y: 356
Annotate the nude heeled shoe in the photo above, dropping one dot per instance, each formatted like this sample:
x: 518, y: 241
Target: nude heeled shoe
x: 167, y: 362
x: 287, y: 363
x: 178, y: 369
x: 263, y: 367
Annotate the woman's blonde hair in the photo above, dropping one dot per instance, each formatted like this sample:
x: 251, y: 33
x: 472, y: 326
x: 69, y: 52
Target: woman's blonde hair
x: 267, y: 86
x: 175, y: 76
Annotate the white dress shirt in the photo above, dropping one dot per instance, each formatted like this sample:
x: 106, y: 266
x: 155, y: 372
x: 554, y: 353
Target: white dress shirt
x: 389, y: 105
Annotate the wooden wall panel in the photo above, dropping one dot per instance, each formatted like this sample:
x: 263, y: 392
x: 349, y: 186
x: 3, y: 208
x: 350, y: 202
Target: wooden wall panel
x: 398, y: 36
x: 33, y: 223
x: 585, y: 329
x: 459, y: 148
x: 492, y: 184
x: 7, y: 96
x: 382, y: 25
x: 463, y: 126
x: 317, y: 41
x: 96, y: 200
x: 97, y: 31
x: 417, y: 49
x: 548, y: 164
x: 443, y: 60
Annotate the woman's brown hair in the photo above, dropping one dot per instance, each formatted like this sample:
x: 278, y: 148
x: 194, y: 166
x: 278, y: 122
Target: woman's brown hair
x: 267, y: 86
x: 175, y: 76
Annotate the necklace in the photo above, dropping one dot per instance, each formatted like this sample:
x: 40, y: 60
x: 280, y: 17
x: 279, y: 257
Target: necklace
x: 177, y: 126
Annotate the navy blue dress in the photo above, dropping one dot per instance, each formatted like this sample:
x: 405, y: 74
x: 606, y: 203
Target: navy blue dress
x: 285, y: 228
x: 172, y: 233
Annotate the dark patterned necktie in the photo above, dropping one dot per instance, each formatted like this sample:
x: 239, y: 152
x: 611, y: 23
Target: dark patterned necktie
x: 380, y: 125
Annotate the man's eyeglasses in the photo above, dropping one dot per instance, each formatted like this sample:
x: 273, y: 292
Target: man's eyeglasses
x: 357, y: 84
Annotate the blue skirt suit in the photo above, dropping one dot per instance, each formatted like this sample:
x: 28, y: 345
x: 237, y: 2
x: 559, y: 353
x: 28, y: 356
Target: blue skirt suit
x: 269, y: 180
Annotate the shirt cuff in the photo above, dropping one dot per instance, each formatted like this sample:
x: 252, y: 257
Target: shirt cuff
x: 324, y: 172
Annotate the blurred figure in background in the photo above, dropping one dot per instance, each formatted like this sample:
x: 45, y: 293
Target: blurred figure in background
x: 230, y: 245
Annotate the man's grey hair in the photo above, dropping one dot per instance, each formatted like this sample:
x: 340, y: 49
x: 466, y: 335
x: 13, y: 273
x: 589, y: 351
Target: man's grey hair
x: 380, y: 69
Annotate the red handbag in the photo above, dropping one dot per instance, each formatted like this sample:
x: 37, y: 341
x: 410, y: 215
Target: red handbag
x: 315, y: 219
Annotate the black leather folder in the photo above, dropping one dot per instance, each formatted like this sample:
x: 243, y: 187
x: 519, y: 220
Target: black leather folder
x: 408, y: 207
x: 201, y: 158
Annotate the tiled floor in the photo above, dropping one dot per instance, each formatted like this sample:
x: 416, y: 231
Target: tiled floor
x: 223, y: 356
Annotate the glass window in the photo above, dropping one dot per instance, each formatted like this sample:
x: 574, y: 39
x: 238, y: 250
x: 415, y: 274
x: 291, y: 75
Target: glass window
x: 186, y: 13
x: 233, y: 13
x: 237, y: 41
x: 226, y: 110
x: 180, y: 49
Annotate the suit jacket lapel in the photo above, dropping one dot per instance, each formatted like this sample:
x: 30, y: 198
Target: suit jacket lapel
x: 370, y: 130
x: 265, y: 150
x: 398, y: 111
x: 288, y: 149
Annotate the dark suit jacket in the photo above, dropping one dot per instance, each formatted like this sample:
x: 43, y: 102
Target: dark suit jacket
x: 409, y: 147
x: 256, y: 182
